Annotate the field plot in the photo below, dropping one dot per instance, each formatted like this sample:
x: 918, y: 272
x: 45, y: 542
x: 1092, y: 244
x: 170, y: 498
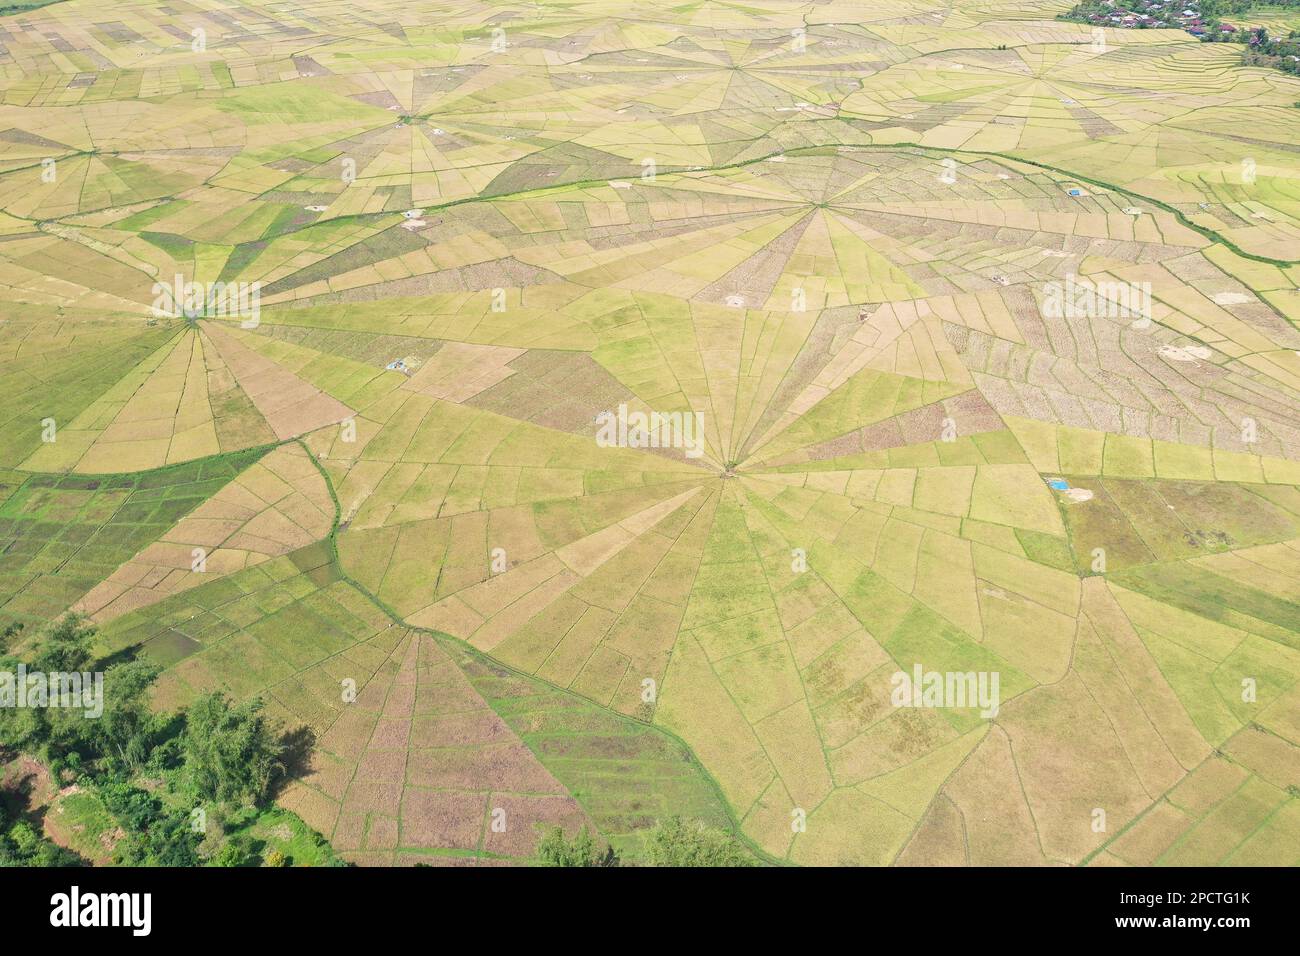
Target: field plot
x: 961, y: 346
x: 277, y: 505
x: 62, y: 535
x: 429, y: 739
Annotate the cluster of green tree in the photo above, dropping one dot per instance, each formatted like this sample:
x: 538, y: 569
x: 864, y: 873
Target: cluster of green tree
x: 120, y: 741
x: 233, y: 843
x: 1218, y: 9
x: 555, y: 849
x: 168, y: 780
x: 23, y: 6
x: 1207, y: 11
x: 1281, y: 53
x: 22, y: 845
x: 672, y: 842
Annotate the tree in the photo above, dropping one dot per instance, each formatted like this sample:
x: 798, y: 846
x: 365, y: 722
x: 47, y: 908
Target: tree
x: 232, y: 751
x: 9, y: 634
x: 555, y: 849
x: 66, y: 647
x: 52, y: 733
x: 676, y: 842
x: 154, y: 834
x: 22, y: 845
x: 232, y: 853
x: 123, y: 735
x: 128, y: 729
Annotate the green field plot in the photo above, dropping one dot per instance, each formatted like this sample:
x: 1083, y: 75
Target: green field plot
x: 1143, y: 522
x: 60, y: 535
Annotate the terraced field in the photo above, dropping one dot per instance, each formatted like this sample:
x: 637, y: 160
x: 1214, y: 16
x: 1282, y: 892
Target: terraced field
x: 323, y: 328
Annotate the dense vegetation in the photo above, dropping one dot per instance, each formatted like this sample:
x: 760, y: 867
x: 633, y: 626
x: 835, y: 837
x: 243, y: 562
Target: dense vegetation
x: 1282, y: 53
x: 23, y: 6
x: 673, y: 842
x: 1208, y: 22
x: 21, y: 844
x: 555, y: 849
x: 179, y: 787
x: 678, y: 842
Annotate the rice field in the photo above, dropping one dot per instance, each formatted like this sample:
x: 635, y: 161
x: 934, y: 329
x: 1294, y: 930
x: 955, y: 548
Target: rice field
x: 590, y: 414
x: 63, y: 534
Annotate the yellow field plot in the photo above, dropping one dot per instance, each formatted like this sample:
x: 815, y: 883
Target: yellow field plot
x: 237, y: 422
x: 725, y: 253
x: 85, y: 183
x: 124, y: 250
x: 674, y: 144
x: 708, y: 193
x: 464, y: 317
x: 289, y: 404
x: 412, y: 560
x: 743, y: 658
x: 1271, y: 569
x: 698, y: 93
x: 855, y: 830
x: 1228, y: 810
x: 899, y: 338
x: 1096, y: 760
x: 374, y: 493
x: 32, y: 339
x: 720, y: 341
x: 1229, y: 824
x: 996, y: 596
x: 684, y: 266
x: 130, y: 427
x: 533, y: 215
x: 424, y: 430
x: 489, y: 612
x: 221, y: 223
x: 252, y: 179
x: 287, y: 254
x: 869, y: 824
x: 945, y: 490
x: 61, y: 270
x: 945, y: 581
x: 701, y: 713
x: 1014, y: 495
x: 1079, y: 451
x: 1207, y: 668
x: 771, y: 345
x: 460, y: 371
x: 847, y: 405
x: 921, y: 351
x: 278, y: 505
x: 988, y: 778
x: 849, y: 271
x: 167, y: 420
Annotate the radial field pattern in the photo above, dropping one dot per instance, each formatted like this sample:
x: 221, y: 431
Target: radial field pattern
x: 873, y: 429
